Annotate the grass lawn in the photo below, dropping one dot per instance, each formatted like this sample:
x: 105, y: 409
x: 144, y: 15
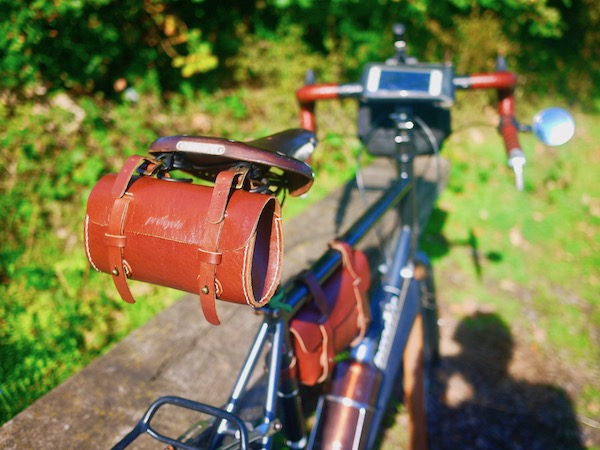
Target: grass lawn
x: 531, y: 258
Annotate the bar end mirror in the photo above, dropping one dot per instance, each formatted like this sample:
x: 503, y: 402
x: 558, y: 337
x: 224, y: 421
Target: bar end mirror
x: 553, y: 126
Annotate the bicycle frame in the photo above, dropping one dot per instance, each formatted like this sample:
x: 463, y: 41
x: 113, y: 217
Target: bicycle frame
x: 282, y: 401
x: 395, y: 306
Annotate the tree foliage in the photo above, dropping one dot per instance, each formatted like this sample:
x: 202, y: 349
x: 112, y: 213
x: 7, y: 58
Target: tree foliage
x: 105, y: 45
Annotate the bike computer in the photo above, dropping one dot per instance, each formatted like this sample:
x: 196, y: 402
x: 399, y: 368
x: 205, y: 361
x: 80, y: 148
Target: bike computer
x: 411, y: 82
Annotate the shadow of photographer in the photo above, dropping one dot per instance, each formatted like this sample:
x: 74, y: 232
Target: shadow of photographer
x: 478, y: 404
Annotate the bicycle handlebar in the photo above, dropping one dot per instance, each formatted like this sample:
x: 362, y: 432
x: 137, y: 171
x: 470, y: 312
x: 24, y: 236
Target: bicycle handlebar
x: 308, y: 95
x: 503, y: 81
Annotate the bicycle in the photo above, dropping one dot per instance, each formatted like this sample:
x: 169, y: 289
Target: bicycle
x: 404, y: 112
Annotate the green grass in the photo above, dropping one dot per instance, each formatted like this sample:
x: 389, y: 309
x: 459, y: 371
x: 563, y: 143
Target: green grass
x: 538, y: 251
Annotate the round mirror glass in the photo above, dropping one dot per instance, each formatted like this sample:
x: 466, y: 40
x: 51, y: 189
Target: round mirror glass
x: 553, y: 126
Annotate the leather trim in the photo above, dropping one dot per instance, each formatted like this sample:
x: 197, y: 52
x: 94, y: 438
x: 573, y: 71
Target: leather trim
x: 327, y: 350
x: 86, y: 239
x: 275, y: 268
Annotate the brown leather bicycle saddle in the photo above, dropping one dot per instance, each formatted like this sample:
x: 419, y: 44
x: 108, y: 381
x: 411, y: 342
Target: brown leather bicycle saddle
x: 272, y: 159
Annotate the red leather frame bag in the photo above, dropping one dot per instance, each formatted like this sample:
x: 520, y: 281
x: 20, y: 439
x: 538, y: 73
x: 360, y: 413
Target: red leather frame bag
x: 337, y: 317
x: 220, y: 241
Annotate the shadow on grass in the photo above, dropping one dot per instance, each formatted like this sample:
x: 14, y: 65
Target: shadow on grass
x: 433, y: 219
x: 435, y: 244
x: 478, y: 404
x: 475, y: 403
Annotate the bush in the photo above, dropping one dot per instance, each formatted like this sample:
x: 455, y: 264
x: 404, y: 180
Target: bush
x: 95, y: 46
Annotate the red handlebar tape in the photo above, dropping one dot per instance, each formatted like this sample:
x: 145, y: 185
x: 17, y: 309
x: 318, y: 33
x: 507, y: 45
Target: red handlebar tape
x: 504, y: 82
x: 308, y: 95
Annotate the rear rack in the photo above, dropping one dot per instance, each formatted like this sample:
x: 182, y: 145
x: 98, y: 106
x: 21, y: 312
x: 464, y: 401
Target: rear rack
x: 239, y: 429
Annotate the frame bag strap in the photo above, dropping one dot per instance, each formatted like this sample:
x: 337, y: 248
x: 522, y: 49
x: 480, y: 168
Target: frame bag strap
x: 317, y: 293
x: 320, y: 298
x: 361, y: 303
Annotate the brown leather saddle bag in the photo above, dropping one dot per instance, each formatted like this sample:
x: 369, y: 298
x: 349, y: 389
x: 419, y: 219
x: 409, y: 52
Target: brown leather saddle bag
x: 220, y: 241
x: 337, y: 317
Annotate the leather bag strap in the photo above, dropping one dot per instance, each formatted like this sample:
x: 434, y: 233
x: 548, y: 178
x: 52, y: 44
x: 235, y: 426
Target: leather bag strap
x: 114, y: 238
x: 327, y: 352
x: 317, y: 293
x: 115, y: 241
x: 362, y: 320
x: 320, y: 298
x: 128, y: 171
x: 209, y: 256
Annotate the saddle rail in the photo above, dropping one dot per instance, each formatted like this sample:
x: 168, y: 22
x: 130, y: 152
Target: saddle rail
x: 275, y: 160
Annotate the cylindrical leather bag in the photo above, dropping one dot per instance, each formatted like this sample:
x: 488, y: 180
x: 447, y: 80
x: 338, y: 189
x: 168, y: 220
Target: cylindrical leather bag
x: 219, y: 242
x: 337, y: 317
